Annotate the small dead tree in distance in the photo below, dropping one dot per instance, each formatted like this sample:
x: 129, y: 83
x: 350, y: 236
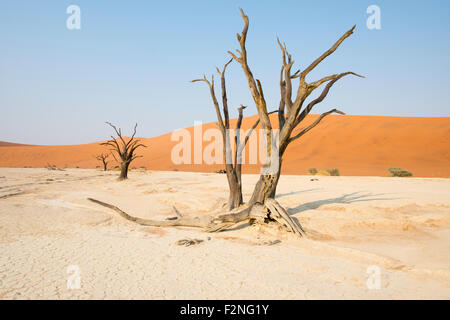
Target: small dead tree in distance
x: 125, y: 150
x: 103, y: 158
x: 262, y: 206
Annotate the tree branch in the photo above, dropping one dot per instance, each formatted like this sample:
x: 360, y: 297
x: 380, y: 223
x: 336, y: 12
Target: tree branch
x: 224, y: 94
x: 118, y: 132
x: 326, y: 53
x: 237, y: 143
x: 242, y: 59
x: 132, y: 137
x: 315, y: 123
x: 249, y: 132
x: 214, y: 99
x: 287, y: 65
x: 281, y: 107
x: 322, y: 96
x: 254, y: 212
x: 304, y: 90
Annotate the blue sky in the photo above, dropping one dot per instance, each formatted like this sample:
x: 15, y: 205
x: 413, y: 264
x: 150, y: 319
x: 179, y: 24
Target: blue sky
x: 133, y: 60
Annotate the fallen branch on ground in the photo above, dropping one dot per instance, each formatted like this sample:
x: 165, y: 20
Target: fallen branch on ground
x: 257, y: 213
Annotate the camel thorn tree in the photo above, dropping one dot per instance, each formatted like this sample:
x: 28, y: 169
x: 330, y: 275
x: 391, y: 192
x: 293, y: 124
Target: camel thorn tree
x: 290, y: 112
x: 103, y: 158
x: 125, y: 149
x: 262, y: 206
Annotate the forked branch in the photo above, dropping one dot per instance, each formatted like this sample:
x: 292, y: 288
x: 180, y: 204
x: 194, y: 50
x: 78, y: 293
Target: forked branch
x: 333, y: 48
x: 332, y: 80
x: 315, y: 123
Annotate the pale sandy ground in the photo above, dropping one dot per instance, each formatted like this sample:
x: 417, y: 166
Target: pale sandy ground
x: 400, y: 225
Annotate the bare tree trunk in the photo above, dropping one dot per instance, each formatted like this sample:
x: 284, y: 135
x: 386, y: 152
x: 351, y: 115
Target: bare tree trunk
x: 105, y: 165
x: 124, y: 170
x: 234, y: 183
x: 266, y: 187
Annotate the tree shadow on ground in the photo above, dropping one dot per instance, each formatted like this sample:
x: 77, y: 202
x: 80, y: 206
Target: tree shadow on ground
x: 345, y: 198
x: 280, y: 195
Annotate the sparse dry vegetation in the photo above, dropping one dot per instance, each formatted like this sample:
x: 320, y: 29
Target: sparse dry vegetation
x: 399, y: 172
x: 327, y: 172
x: 333, y: 172
x: 53, y: 167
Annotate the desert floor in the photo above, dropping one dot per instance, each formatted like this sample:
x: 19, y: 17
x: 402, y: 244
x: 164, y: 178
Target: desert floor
x: 49, y: 232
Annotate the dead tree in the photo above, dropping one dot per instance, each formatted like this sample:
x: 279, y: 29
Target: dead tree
x: 124, y: 148
x: 233, y: 165
x: 262, y: 207
x: 103, y: 158
x: 290, y: 112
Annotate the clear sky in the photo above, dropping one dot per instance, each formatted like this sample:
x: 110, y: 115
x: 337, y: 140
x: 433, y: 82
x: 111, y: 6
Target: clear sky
x: 133, y: 60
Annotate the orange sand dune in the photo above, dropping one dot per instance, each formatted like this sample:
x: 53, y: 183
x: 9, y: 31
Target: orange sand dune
x: 356, y: 145
x: 10, y: 144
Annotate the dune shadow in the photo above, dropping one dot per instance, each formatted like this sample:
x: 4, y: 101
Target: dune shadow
x: 344, y: 199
